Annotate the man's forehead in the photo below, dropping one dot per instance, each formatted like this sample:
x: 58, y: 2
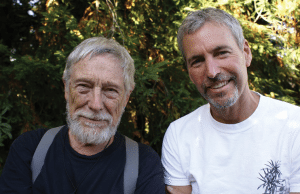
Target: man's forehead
x: 210, y: 26
x: 90, y: 57
x: 209, y: 34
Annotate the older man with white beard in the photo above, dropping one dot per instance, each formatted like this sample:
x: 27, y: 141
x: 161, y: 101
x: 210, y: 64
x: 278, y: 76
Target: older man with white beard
x: 88, y: 155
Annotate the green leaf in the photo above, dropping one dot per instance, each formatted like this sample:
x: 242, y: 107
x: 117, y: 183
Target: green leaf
x: 4, y: 111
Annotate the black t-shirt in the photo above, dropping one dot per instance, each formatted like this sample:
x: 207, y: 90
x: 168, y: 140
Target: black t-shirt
x: 65, y: 170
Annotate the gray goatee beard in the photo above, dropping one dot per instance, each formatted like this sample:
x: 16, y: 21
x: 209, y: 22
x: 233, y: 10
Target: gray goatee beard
x: 91, y: 133
x: 231, y: 101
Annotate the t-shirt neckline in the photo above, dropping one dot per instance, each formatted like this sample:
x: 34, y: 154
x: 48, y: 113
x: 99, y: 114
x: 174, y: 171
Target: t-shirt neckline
x: 244, y: 125
x: 107, y: 151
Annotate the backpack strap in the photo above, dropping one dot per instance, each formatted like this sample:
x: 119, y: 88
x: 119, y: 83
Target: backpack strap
x: 41, y: 151
x: 131, y: 166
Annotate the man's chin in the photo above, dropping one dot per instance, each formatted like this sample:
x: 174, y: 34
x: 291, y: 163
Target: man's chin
x: 222, y: 103
x: 94, y: 135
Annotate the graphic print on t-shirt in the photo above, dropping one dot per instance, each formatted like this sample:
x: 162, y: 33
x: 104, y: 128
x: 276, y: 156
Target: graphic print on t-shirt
x: 272, y: 182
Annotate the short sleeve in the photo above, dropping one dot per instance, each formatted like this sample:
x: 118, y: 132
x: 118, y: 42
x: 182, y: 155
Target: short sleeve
x: 173, y: 170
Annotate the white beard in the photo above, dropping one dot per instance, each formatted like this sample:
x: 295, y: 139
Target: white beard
x: 94, y: 133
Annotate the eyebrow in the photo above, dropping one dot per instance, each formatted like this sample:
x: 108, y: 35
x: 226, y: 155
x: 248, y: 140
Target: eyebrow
x: 217, y: 48
x: 109, y: 83
x: 105, y: 84
x: 221, y: 47
x: 193, y: 58
x: 82, y: 80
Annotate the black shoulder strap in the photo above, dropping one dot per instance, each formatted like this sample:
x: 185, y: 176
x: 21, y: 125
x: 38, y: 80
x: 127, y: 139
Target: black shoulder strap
x: 131, y: 165
x: 41, y: 151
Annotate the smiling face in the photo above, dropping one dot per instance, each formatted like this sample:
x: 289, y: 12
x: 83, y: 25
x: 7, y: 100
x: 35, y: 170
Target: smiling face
x: 96, y: 98
x: 216, y: 65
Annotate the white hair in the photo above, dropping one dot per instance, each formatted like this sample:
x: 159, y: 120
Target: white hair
x: 100, y: 45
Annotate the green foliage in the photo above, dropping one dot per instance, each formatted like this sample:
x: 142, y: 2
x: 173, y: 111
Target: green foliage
x: 33, y: 58
x: 5, y: 127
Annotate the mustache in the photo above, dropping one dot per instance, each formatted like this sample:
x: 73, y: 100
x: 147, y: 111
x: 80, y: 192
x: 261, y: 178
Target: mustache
x: 94, y: 116
x: 221, y: 77
x: 218, y: 78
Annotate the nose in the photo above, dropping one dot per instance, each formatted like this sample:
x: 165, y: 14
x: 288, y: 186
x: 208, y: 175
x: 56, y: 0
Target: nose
x: 212, y: 68
x: 96, y: 102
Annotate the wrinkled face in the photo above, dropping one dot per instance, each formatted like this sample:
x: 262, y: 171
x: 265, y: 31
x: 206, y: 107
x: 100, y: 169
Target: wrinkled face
x: 96, y: 98
x: 216, y: 65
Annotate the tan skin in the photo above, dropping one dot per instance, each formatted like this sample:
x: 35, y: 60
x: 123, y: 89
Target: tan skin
x: 95, y: 85
x: 179, y: 189
x: 210, y: 52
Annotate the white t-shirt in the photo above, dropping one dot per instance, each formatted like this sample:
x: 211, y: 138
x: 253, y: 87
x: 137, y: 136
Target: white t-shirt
x: 261, y: 152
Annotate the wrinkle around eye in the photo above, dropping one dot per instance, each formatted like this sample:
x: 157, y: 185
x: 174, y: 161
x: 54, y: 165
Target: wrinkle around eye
x: 195, y: 63
x: 111, y: 93
x: 222, y: 54
x: 82, y: 89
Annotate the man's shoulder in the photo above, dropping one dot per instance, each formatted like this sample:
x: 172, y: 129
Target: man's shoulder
x: 150, y: 168
x: 281, y: 106
x: 146, y: 151
x: 283, y: 112
x: 29, y: 138
x: 23, y: 148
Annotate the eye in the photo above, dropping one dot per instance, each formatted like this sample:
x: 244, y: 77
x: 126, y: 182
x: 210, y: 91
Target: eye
x: 83, y: 88
x: 196, y: 62
x: 222, y: 53
x: 112, y: 90
x: 111, y: 93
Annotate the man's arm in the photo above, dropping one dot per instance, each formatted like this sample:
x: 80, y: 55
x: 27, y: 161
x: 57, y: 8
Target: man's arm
x: 175, y: 178
x: 16, y: 176
x: 150, y: 177
x: 179, y: 189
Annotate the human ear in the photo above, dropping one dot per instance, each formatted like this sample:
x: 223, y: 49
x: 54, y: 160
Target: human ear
x: 247, y: 53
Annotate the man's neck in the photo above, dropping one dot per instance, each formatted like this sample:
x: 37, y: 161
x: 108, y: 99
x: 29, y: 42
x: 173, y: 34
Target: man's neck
x: 240, y: 111
x: 87, y: 149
